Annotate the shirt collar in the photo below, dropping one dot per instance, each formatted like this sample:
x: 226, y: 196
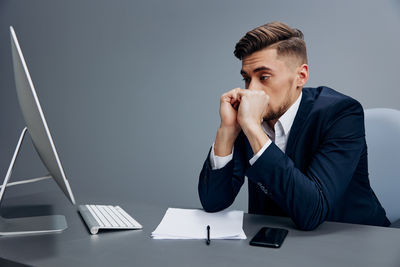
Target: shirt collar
x: 286, y: 120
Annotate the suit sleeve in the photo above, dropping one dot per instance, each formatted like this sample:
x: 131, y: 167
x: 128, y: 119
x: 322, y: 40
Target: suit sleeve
x: 308, y: 196
x: 219, y: 188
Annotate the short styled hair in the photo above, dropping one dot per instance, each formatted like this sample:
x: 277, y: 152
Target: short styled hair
x: 286, y: 40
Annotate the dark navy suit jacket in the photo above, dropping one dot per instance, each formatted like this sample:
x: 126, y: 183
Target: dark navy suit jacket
x: 322, y: 176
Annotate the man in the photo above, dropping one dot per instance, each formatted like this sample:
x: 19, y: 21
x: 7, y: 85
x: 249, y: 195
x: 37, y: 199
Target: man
x: 302, y: 149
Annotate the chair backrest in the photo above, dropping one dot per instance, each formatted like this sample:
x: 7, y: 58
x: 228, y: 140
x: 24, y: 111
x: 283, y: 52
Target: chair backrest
x: 382, y: 129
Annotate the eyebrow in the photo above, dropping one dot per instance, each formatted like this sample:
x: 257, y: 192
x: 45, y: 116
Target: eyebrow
x: 263, y: 68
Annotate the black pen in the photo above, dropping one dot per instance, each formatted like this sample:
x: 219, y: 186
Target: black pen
x: 208, y: 235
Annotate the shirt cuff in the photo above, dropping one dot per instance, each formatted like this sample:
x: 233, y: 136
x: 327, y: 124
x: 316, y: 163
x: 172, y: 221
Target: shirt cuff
x: 259, y: 153
x: 218, y: 162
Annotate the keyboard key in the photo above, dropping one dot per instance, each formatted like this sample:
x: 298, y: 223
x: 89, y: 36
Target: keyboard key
x: 109, y: 215
x: 128, y: 217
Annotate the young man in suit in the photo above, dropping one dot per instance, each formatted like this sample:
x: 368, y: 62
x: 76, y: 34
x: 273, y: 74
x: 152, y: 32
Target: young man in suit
x: 302, y: 149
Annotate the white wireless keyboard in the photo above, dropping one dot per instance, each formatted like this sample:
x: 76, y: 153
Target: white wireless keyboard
x: 99, y: 217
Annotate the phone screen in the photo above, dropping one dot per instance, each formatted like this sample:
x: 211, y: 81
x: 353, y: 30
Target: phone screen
x: 269, y: 237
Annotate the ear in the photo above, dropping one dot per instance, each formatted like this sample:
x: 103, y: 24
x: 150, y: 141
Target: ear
x: 302, y: 75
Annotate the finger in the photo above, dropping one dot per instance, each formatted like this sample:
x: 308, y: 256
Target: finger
x: 230, y: 96
x: 243, y: 92
x: 234, y: 93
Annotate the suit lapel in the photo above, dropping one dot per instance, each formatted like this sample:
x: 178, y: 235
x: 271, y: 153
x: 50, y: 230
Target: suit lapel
x: 306, y: 104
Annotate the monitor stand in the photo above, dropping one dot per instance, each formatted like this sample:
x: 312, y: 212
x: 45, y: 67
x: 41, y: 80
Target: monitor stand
x: 28, y: 225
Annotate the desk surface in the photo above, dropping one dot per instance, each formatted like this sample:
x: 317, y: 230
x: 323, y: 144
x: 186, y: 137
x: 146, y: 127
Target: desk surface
x: 332, y: 244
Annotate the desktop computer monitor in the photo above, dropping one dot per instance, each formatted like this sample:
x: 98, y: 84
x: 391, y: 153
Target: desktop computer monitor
x: 37, y: 127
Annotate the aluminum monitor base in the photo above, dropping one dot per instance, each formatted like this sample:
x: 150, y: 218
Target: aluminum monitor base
x: 32, y: 225
x: 28, y: 225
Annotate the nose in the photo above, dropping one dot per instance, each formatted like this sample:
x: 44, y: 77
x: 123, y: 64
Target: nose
x: 253, y: 86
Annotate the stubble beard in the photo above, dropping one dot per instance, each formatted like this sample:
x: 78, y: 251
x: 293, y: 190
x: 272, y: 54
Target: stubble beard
x: 275, y: 115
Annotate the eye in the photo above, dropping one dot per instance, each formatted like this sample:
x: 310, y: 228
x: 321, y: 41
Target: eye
x: 264, y: 77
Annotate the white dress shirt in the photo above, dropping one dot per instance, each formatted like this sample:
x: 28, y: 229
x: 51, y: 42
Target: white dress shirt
x: 279, y: 135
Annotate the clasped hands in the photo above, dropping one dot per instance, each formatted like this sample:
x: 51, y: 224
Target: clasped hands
x: 243, y: 109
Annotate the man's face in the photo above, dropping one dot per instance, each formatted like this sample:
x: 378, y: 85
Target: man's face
x: 280, y: 77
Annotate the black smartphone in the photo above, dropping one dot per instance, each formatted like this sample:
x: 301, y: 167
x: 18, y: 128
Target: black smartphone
x: 269, y: 237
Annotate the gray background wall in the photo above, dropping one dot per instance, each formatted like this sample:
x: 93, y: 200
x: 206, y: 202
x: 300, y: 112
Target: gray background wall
x: 130, y: 89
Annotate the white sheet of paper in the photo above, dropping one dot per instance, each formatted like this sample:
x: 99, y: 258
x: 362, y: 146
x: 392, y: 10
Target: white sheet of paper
x: 192, y: 224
